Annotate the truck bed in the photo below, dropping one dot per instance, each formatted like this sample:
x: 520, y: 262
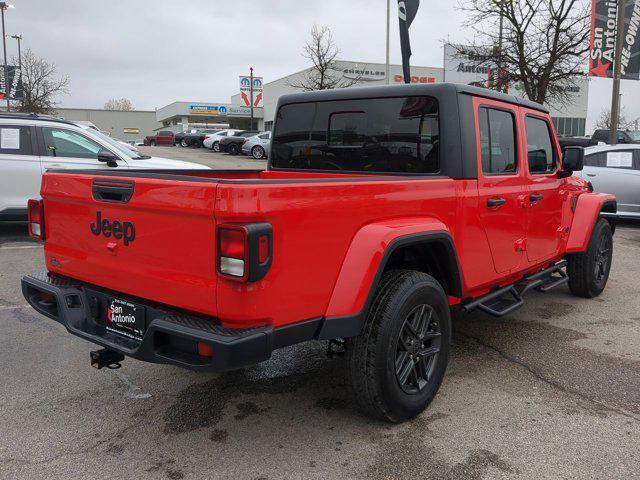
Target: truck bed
x: 172, y: 260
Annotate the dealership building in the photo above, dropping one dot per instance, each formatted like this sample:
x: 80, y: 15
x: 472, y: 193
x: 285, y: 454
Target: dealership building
x: 183, y: 116
x: 569, y: 119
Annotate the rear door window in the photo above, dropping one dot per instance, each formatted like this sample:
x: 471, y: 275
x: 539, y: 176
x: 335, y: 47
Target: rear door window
x: 359, y: 135
x: 15, y: 140
x: 497, y: 141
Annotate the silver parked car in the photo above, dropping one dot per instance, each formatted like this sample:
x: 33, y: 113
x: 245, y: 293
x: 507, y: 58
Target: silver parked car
x: 257, y: 146
x: 615, y: 169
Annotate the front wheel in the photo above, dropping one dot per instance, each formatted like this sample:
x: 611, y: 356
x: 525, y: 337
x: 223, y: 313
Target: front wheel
x: 258, y: 153
x: 589, y: 271
x: 183, y: 143
x: 152, y: 143
x: 396, y: 365
x: 234, y: 149
x: 216, y: 147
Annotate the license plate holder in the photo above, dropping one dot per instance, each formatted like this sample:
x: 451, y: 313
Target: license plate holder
x: 125, y: 318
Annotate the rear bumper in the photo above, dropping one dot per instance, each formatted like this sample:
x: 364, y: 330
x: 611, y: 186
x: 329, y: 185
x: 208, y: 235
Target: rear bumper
x: 170, y: 337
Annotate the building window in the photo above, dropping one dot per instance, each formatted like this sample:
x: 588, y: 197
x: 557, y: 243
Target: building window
x: 268, y: 126
x: 569, y: 126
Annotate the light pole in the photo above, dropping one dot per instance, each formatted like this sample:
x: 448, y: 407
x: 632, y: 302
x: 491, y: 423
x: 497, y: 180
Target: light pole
x: 251, y: 94
x: 388, y: 33
x: 4, y: 6
x: 18, y: 37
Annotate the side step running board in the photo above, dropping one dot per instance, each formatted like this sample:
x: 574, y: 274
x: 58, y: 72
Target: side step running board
x: 505, y: 300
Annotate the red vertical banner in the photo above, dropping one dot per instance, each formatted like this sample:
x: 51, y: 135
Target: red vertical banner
x: 603, y: 39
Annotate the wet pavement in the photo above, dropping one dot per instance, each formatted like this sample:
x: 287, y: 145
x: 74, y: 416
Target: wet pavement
x: 551, y: 391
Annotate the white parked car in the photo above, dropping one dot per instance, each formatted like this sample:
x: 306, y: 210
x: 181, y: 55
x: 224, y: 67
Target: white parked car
x: 615, y: 169
x: 212, y: 140
x: 257, y: 146
x: 31, y: 144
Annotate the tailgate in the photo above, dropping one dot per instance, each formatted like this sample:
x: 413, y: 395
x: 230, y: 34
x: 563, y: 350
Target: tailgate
x: 148, y: 237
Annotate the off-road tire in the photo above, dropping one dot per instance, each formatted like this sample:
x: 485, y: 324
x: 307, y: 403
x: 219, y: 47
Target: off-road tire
x: 372, y: 356
x: 258, y: 152
x: 584, y: 280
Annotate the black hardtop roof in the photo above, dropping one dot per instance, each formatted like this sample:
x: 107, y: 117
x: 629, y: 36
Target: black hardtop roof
x: 32, y: 116
x: 435, y: 89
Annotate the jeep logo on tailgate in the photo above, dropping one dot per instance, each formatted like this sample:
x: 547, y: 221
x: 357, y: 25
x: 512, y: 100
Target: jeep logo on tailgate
x: 119, y: 230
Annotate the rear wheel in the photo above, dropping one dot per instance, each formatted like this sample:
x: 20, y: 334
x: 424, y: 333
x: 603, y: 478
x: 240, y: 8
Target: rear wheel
x: 589, y: 271
x: 234, y: 149
x: 258, y: 152
x: 396, y: 365
x: 152, y: 143
x: 183, y: 143
x: 216, y: 147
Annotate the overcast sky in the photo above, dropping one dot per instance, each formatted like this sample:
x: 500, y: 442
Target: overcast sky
x: 155, y: 51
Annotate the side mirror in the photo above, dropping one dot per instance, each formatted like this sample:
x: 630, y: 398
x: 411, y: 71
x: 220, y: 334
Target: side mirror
x: 572, y: 161
x: 108, y: 157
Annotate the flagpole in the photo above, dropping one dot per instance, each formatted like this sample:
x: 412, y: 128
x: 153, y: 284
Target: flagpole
x: 617, y: 71
x: 388, y: 34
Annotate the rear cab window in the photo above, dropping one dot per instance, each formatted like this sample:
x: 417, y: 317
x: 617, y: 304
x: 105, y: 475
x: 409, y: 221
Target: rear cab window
x: 381, y: 135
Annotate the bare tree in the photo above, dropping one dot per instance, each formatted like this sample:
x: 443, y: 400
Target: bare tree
x: 123, y: 104
x: 543, y: 45
x: 41, y: 84
x: 624, y: 123
x: 322, y: 51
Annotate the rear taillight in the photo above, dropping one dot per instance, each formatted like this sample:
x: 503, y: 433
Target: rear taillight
x: 245, y: 252
x: 245, y: 141
x: 35, y: 212
x: 233, y: 251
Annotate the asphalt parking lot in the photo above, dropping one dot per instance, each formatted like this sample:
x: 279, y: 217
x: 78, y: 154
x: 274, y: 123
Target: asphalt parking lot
x: 205, y: 156
x: 551, y: 391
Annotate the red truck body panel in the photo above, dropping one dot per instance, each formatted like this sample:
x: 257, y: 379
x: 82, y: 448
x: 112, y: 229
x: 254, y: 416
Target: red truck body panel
x: 172, y: 259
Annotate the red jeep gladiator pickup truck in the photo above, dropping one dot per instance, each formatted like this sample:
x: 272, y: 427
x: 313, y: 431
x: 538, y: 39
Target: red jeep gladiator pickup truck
x: 381, y: 209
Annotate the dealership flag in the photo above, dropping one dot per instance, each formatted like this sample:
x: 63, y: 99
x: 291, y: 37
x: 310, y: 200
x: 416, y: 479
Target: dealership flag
x: 603, y: 36
x: 407, y: 10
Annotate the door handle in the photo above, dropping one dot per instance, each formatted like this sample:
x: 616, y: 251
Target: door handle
x: 495, y: 202
x: 591, y: 174
x: 535, y: 197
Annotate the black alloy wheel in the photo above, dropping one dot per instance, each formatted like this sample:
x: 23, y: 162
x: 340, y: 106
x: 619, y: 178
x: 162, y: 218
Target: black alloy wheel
x: 602, y: 260
x: 417, y: 349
